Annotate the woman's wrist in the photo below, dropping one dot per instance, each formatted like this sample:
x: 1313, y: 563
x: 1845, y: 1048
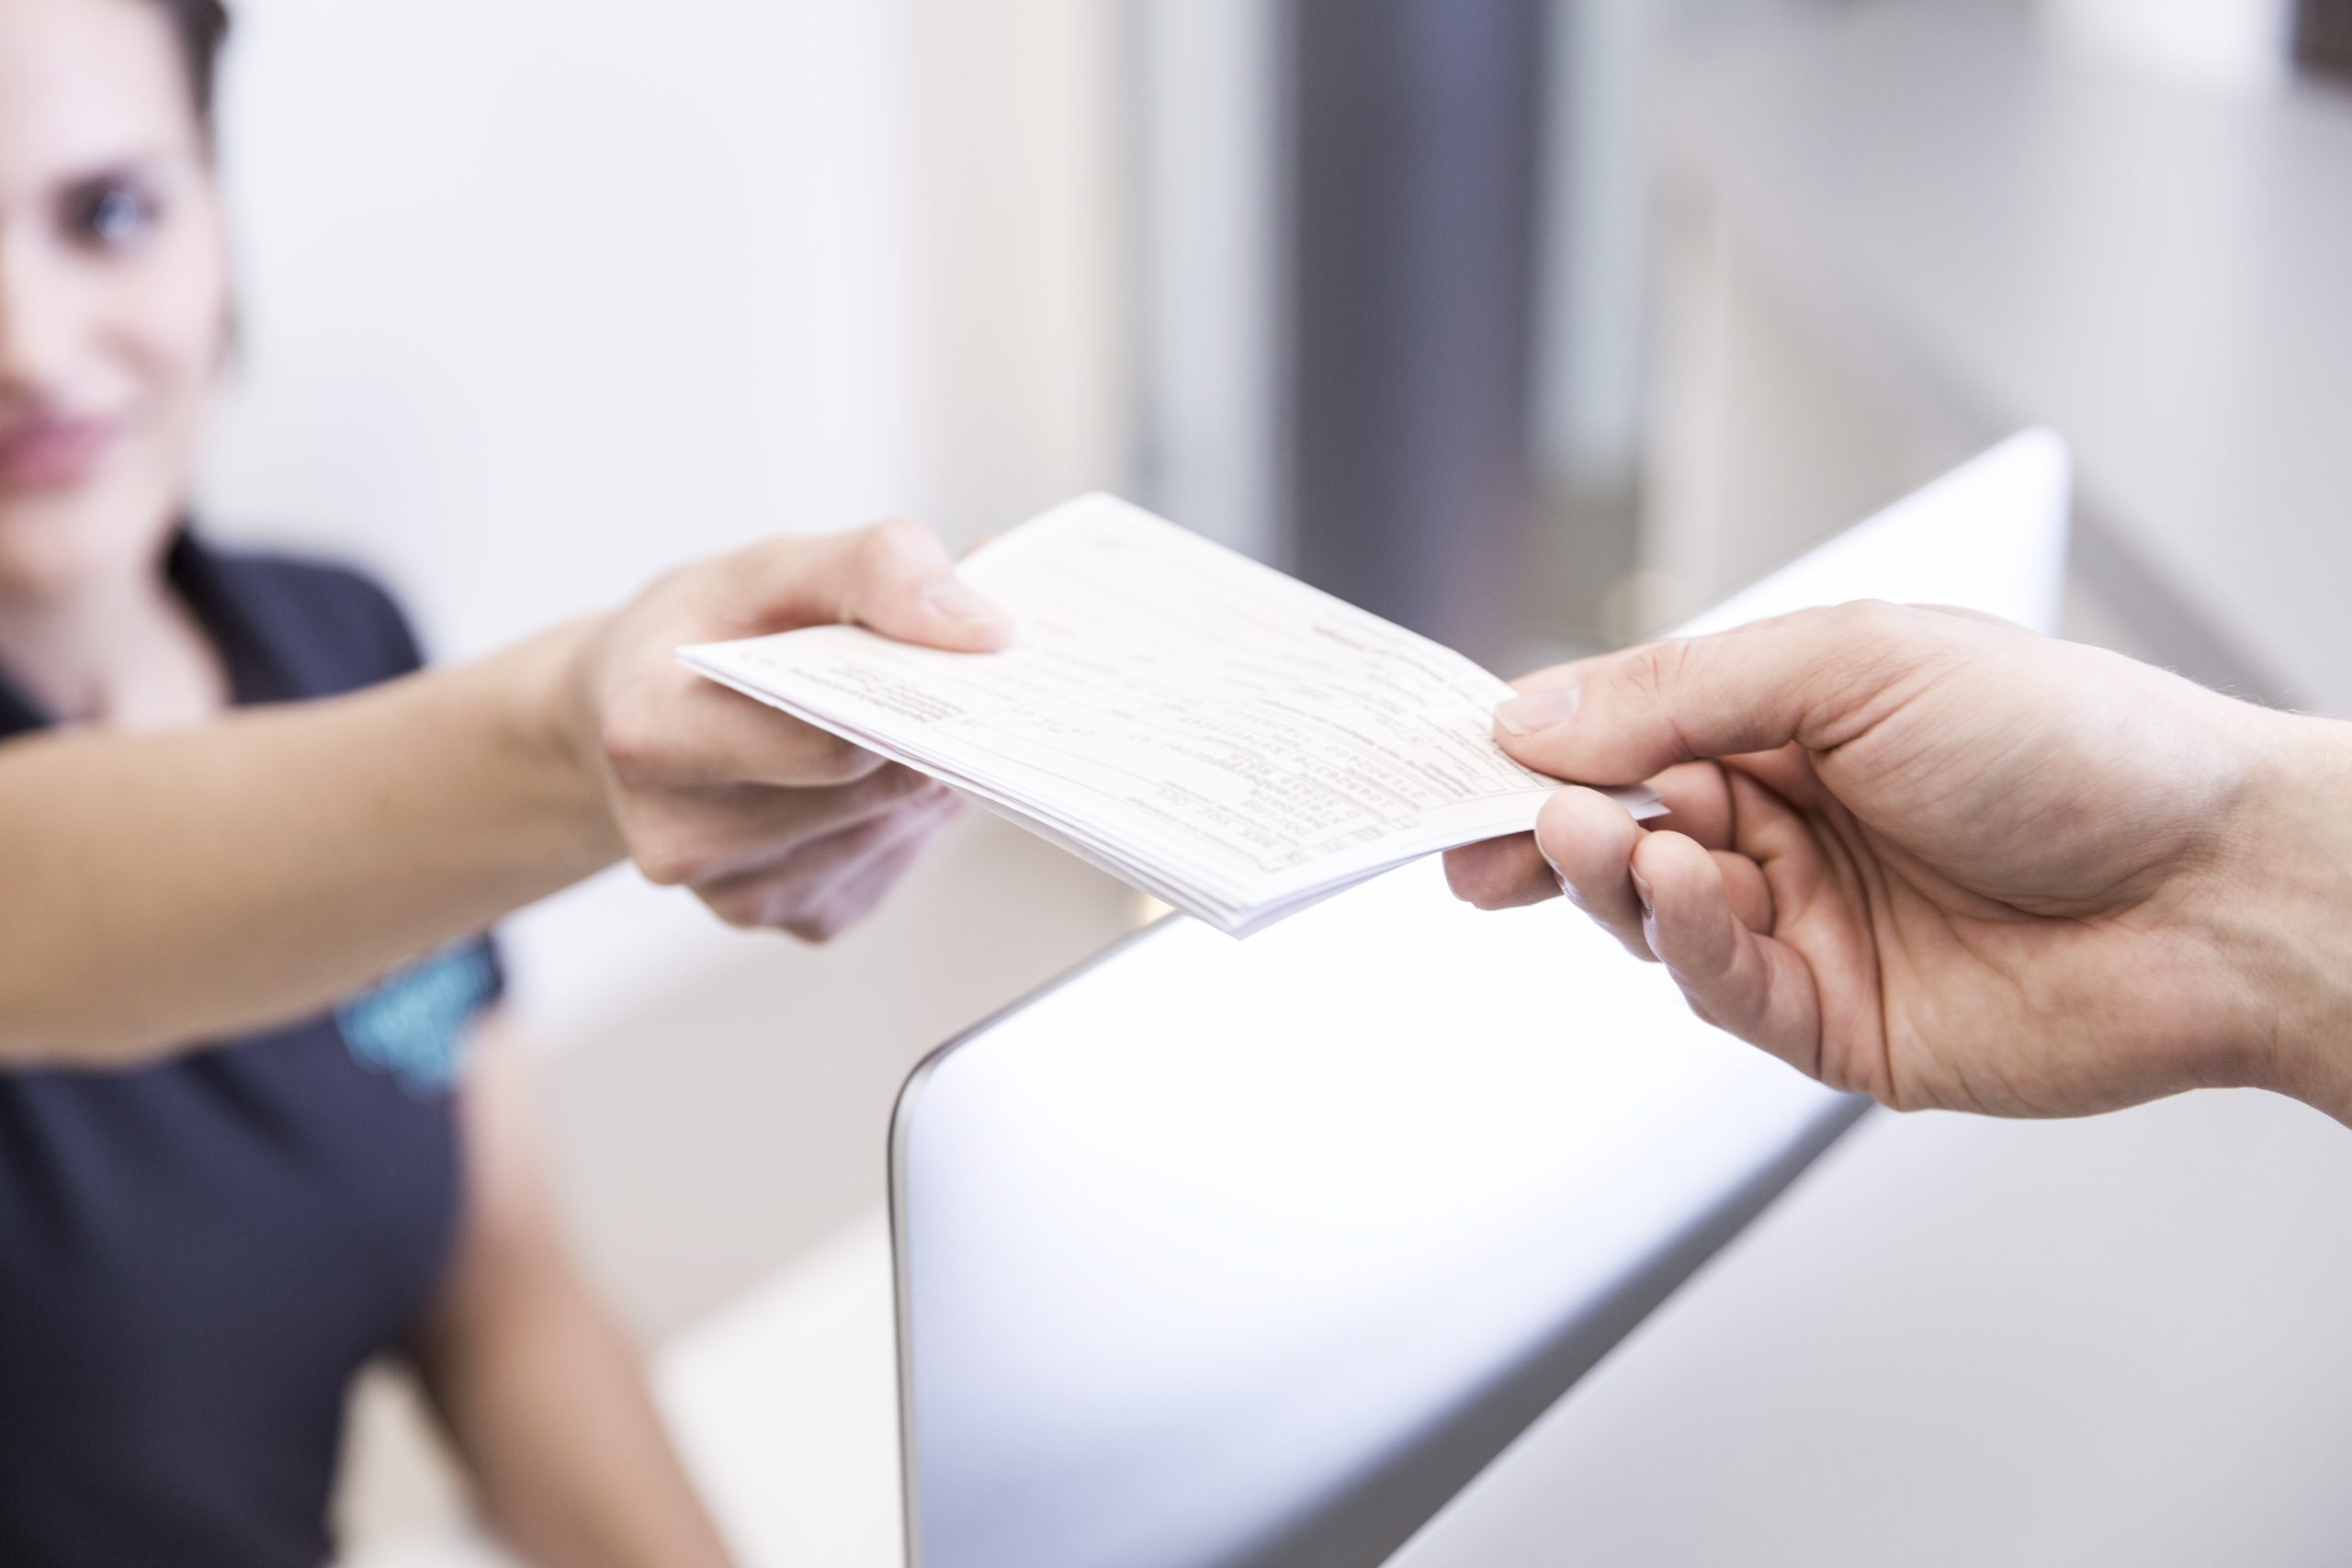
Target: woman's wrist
x: 2281, y: 910
x: 552, y: 724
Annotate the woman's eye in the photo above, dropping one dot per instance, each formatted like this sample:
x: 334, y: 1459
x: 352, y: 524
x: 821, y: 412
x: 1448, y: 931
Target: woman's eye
x: 116, y: 216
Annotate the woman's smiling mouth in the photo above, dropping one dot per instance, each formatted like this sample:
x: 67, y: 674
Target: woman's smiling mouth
x: 53, y: 452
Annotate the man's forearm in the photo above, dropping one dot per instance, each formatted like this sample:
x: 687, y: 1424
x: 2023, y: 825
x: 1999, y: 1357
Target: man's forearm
x: 160, y: 889
x: 2281, y: 908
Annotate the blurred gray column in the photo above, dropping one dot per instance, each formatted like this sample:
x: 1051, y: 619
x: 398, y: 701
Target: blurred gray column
x: 1207, y: 237
x: 1411, y: 130
x: 2323, y: 37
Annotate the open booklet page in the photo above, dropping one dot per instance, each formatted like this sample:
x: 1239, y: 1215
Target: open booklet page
x: 1222, y: 736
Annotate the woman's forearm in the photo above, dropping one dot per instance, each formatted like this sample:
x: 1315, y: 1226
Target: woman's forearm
x: 161, y: 889
x: 157, y: 891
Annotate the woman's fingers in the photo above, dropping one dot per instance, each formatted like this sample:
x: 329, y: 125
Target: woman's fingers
x: 709, y: 836
x: 800, y: 892
x: 858, y: 894
x: 671, y: 729
x: 674, y: 755
x: 1734, y: 976
x: 895, y: 577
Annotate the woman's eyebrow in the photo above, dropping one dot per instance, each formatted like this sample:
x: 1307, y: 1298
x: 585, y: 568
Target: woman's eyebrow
x: 116, y: 168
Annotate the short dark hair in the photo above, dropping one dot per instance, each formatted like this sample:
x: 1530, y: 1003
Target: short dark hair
x: 201, y: 27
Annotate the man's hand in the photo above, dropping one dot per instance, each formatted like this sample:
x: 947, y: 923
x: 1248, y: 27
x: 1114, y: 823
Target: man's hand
x: 1930, y: 856
x: 770, y: 821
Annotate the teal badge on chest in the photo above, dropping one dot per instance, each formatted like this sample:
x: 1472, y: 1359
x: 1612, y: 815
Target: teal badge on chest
x: 413, y: 1025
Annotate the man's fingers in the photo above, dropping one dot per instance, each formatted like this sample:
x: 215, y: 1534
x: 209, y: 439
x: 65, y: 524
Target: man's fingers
x: 1698, y: 803
x: 1583, y: 845
x: 1500, y: 874
x: 1817, y: 678
x: 894, y: 577
x: 1589, y: 839
x: 1748, y: 984
x: 1746, y: 889
x: 1580, y: 849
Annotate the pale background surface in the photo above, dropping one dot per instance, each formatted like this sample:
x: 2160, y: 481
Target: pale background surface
x: 543, y: 297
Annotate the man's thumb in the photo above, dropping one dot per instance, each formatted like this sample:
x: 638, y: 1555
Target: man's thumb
x: 1810, y: 677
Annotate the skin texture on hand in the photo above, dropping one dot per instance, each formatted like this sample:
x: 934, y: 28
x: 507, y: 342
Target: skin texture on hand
x: 770, y: 821
x: 1934, y: 858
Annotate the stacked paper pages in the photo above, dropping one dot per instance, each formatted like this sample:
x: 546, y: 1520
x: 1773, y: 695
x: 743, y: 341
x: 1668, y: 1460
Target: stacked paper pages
x: 1217, y: 734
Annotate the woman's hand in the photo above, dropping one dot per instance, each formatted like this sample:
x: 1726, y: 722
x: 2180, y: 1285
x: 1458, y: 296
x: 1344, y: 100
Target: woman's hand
x: 161, y: 889
x: 771, y: 822
x: 1934, y: 858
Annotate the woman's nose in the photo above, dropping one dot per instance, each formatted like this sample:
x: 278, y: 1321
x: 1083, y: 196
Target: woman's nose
x: 36, y: 323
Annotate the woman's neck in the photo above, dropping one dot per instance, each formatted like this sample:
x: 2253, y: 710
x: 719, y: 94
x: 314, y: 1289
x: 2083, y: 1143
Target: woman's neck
x: 120, y: 649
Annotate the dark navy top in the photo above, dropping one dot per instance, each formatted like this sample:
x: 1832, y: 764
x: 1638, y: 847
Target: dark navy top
x: 195, y: 1256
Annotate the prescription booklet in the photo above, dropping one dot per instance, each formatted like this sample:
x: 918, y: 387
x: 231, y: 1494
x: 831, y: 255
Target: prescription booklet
x: 1223, y: 737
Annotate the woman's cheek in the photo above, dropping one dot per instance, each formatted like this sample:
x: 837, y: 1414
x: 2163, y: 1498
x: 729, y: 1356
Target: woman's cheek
x: 172, y: 342
x: 178, y: 318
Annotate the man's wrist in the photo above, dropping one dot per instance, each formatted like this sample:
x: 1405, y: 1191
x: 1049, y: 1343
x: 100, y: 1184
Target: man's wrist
x: 2288, y: 924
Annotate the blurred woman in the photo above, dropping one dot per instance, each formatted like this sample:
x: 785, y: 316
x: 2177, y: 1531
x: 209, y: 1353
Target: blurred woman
x: 237, y: 1160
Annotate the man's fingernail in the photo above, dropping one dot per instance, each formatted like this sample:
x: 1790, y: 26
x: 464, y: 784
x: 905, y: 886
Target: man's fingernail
x: 1532, y: 711
x: 1559, y: 876
x: 956, y: 600
x: 1642, y: 891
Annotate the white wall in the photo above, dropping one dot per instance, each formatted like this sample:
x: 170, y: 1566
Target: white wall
x: 1021, y: 219
x: 542, y: 296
